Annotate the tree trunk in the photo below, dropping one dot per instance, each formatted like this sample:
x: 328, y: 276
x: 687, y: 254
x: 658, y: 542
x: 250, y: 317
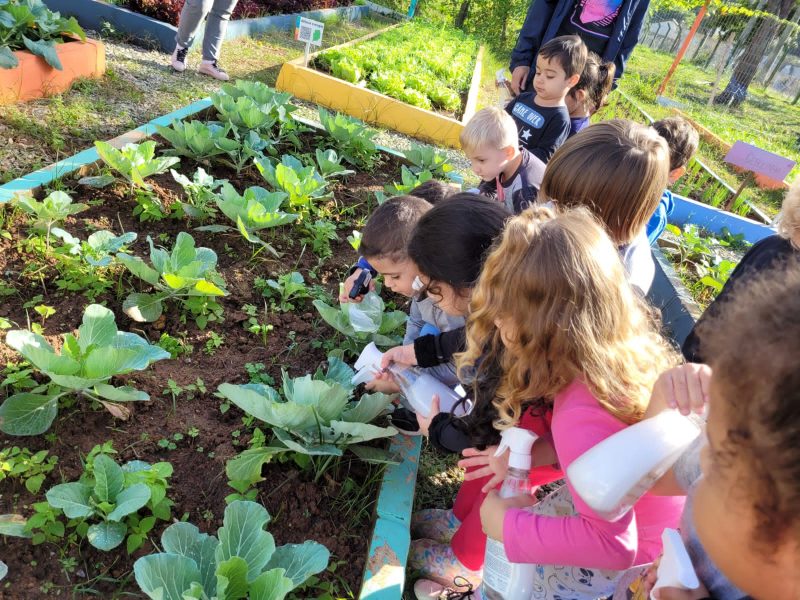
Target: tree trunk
x: 463, y: 12
x: 747, y: 65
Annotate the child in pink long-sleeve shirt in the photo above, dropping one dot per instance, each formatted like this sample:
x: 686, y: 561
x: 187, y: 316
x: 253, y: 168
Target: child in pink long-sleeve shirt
x: 554, y: 308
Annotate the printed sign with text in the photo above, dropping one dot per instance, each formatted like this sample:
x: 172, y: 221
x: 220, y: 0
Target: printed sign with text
x: 308, y: 31
x: 753, y: 158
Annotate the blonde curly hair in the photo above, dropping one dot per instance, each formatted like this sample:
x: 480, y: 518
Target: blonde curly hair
x: 788, y: 221
x: 558, y: 289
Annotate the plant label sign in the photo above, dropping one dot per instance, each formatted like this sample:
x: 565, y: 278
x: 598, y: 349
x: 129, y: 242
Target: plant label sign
x: 752, y: 158
x: 308, y: 31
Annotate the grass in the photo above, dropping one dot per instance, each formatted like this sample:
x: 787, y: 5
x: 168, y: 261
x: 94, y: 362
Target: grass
x: 438, y: 479
x: 767, y: 119
x: 138, y: 86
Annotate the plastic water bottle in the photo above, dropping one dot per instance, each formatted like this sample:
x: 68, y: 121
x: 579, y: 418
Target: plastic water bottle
x: 504, y: 580
x: 611, y: 476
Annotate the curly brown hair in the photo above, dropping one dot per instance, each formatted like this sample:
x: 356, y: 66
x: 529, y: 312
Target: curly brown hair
x: 754, y: 342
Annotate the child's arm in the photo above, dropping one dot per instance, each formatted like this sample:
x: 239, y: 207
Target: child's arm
x: 414, y: 324
x: 529, y: 40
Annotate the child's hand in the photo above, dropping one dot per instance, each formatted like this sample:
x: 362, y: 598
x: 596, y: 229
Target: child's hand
x: 488, y: 464
x: 425, y: 422
x: 344, y: 289
x: 383, y: 383
x: 493, y: 512
x: 403, y: 355
x: 684, y: 387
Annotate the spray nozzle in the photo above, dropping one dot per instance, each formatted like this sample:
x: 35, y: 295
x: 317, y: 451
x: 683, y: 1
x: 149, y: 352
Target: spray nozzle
x: 368, y: 363
x: 675, y: 569
x: 519, y: 442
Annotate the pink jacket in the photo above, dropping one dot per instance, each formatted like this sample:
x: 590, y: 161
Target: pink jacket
x: 584, y: 539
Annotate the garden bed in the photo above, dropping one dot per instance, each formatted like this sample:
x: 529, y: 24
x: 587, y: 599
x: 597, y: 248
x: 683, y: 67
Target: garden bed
x: 185, y: 422
x: 381, y: 97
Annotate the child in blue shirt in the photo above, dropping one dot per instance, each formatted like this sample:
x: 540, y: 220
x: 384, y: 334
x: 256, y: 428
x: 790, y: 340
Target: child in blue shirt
x: 683, y: 141
x: 541, y: 114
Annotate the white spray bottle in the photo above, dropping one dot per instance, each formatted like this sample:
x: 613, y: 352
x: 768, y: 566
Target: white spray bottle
x: 675, y: 569
x: 611, y: 476
x: 417, y: 387
x: 503, y: 580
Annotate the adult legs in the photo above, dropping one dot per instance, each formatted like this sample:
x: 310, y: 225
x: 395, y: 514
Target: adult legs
x: 217, y: 23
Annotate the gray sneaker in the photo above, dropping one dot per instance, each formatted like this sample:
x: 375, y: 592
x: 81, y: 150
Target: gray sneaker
x: 179, y: 59
x: 212, y: 69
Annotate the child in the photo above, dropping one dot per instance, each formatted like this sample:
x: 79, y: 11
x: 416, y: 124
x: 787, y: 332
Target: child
x: 384, y: 243
x: 508, y: 173
x: 618, y: 169
x: 590, y: 93
x: 683, y: 141
x: 541, y: 115
x: 770, y: 253
x: 553, y: 310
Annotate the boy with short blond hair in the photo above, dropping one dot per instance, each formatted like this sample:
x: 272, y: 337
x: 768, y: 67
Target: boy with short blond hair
x: 683, y: 141
x: 541, y: 115
x: 508, y: 173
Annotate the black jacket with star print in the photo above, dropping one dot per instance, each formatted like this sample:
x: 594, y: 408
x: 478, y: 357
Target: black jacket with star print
x: 542, y: 129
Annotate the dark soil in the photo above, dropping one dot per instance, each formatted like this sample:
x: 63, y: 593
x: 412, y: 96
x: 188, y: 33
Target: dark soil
x: 300, y: 508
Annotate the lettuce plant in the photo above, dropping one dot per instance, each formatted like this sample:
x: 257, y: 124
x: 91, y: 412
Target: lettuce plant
x: 187, y: 274
x: 353, y: 139
x: 316, y: 416
x: 302, y: 184
x: 197, y: 140
x: 364, y: 322
x: 55, y: 208
x: 103, y: 504
x: 83, y: 368
x: 241, y: 561
x: 255, y: 210
x: 135, y: 161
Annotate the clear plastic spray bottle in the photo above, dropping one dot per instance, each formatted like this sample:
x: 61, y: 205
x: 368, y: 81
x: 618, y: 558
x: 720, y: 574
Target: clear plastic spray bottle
x: 503, y: 580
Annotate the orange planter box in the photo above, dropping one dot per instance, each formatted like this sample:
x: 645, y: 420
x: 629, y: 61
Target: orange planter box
x: 33, y: 78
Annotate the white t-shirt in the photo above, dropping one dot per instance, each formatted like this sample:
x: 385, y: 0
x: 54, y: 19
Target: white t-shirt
x: 638, y: 260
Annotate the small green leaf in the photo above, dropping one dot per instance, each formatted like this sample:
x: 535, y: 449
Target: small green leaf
x: 106, y: 536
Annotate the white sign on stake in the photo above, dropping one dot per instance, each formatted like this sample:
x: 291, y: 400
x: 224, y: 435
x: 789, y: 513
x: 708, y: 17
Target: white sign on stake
x: 308, y: 31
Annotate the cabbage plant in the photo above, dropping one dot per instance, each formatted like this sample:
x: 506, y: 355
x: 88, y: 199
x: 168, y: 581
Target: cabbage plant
x: 197, y: 140
x: 135, y: 162
x: 364, y: 322
x: 83, y: 369
x: 241, y: 561
x: 301, y: 183
x: 314, y: 416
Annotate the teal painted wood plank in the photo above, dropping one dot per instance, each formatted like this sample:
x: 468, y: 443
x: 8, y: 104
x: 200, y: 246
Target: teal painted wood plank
x: 396, y: 499
x: 384, y: 575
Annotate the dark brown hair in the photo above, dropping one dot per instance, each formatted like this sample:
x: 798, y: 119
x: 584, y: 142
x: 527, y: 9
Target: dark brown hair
x: 596, y: 80
x: 569, y: 51
x: 433, y: 191
x: 617, y: 168
x: 753, y: 345
x: 389, y: 228
x: 682, y: 139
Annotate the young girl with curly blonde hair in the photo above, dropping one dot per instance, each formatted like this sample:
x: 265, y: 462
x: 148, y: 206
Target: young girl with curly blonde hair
x: 553, y: 308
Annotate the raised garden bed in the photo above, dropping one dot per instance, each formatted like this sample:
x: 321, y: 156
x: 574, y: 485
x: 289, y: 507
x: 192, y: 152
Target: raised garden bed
x: 34, y: 78
x: 185, y: 422
x: 355, y: 97
x: 153, y: 32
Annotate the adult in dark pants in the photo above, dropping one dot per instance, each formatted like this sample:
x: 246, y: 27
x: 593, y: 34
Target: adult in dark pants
x: 610, y: 28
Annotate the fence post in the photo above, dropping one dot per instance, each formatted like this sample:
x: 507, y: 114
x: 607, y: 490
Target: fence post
x: 684, y: 47
x: 412, y: 8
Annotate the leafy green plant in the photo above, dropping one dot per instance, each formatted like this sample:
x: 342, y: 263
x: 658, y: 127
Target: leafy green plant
x: 197, y: 139
x: 55, y: 208
x: 364, y: 322
x: 83, y: 368
x: 213, y: 343
x: 427, y: 158
x: 320, y: 234
x: 148, y: 206
x: 355, y: 240
x: 241, y: 561
x: 409, y: 180
x: 249, y: 147
x: 135, y: 162
x: 275, y: 105
x: 353, y: 139
x: 187, y: 274
x: 200, y: 193
x: 302, y: 184
x: 284, y: 291
x: 317, y: 416
x: 330, y: 164
x: 30, y: 25
x: 255, y: 210
x: 256, y: 326
x: 99, y: 248
x: 101, y: 503
x: 175, y: 346
x: 28, y: 467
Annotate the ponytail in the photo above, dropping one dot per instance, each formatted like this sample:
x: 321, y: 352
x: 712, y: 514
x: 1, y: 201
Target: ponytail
x: 596, y: 80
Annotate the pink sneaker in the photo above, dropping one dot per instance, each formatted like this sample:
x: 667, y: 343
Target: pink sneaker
x: 212, y: 69
x: 179, y: 59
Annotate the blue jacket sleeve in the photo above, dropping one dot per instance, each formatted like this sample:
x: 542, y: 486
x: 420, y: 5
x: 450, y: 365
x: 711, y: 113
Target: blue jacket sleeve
x: 532, y: 32
x: 631, y: 38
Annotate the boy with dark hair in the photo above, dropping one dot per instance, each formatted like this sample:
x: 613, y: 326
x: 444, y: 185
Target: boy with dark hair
x: 541, y: 115
x: 683, y: 141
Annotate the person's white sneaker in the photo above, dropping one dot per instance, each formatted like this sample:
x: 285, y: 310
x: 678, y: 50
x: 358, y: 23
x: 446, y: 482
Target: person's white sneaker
x: 179, y: 59
x: 212, y: 69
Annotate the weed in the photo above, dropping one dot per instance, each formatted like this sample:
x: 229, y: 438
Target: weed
x: 214, y: 341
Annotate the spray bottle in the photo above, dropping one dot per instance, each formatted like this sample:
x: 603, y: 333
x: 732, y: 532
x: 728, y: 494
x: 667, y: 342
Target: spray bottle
x: 675, y: 569
x: 611, y: 476
x: 503, y: 580
x: 417, y: 387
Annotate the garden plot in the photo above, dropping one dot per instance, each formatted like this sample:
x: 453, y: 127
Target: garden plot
x: 164, y: 347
